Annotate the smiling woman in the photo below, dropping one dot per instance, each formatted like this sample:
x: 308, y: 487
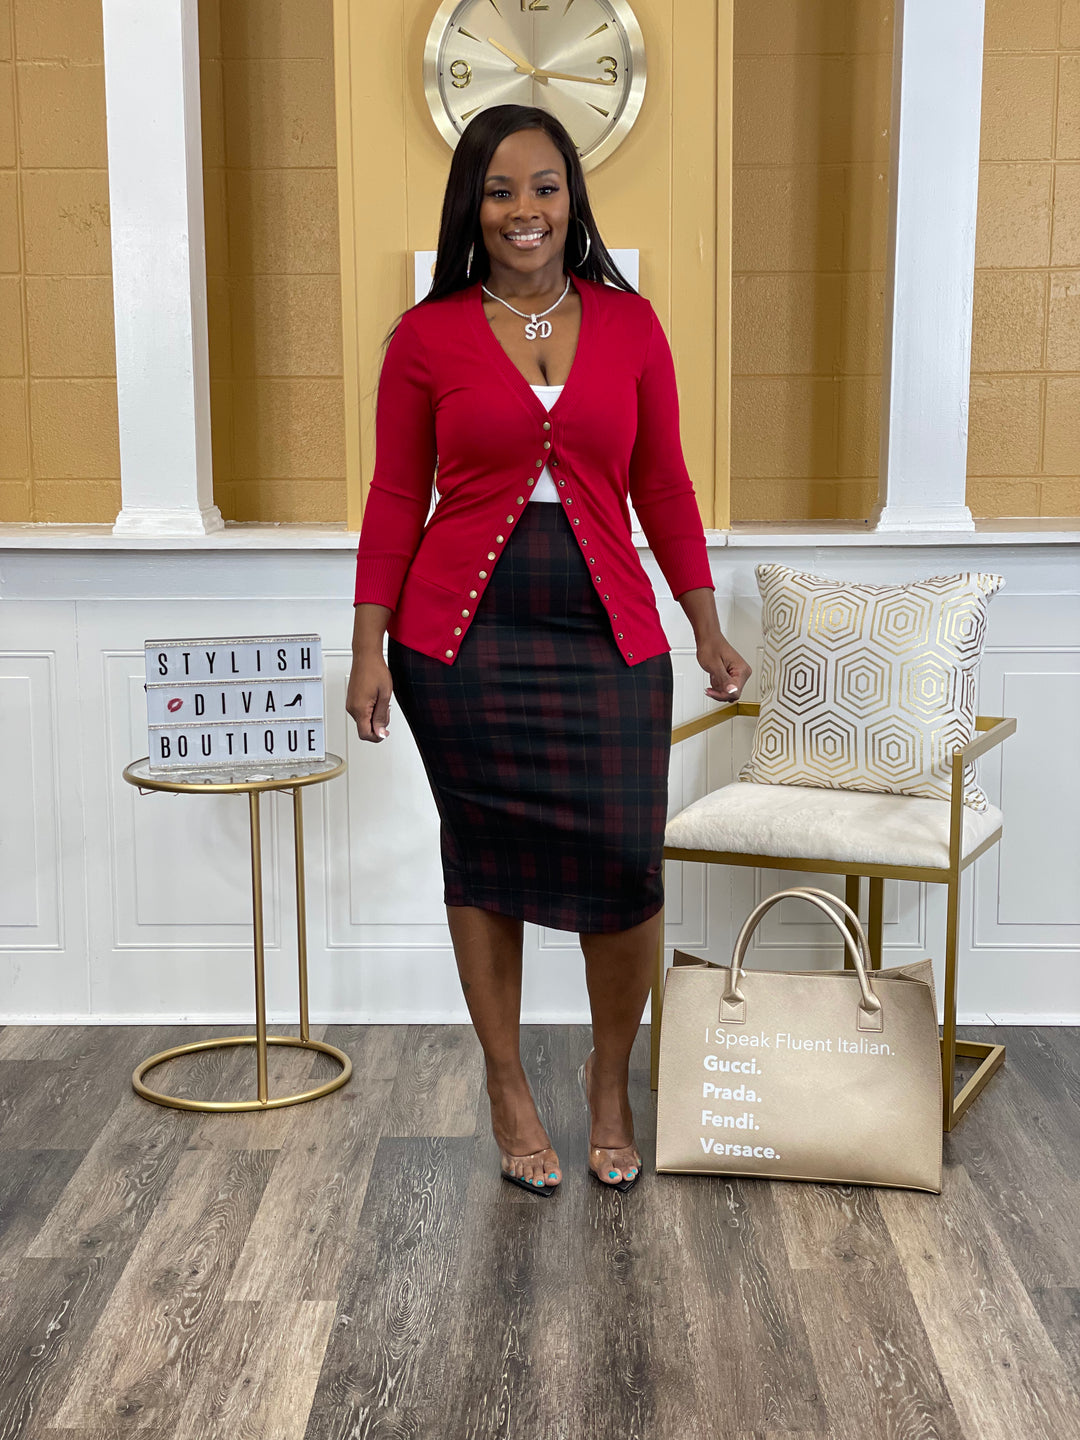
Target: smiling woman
x: 525, y: 644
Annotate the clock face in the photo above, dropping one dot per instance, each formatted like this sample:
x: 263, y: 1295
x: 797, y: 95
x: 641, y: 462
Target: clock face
x: 584, y: 60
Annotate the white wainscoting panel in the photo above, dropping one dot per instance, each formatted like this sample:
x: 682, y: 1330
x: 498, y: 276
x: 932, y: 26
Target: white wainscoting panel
x: 116, y: 905
x: 43, y: 955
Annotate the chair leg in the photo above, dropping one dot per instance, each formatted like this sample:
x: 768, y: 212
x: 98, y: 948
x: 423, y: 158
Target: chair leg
x: 876, y: 923
x: 992, y: 1057
x: 657, y: 1010
x: 852, y: 889
x: 948, y: 1029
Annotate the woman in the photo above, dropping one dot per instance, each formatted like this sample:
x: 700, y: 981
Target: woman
x: 525, y: 646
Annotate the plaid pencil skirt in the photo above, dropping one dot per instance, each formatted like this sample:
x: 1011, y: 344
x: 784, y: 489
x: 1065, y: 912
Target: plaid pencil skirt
x: 547, y: 754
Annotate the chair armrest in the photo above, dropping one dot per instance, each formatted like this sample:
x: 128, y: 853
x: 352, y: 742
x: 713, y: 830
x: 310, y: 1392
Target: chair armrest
x: 716, y: 717
x: 993, y: 732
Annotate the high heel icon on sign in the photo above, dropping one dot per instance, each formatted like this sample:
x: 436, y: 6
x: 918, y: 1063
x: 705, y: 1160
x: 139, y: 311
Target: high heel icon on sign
x: 295, y: 701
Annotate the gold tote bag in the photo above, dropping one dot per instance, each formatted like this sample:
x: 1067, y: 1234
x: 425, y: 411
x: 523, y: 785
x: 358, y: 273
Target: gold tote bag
x: 827, y: 1075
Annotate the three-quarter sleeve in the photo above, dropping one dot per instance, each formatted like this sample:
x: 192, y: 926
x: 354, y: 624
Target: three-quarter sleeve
x: 660, y: 485
x: 405, y: 453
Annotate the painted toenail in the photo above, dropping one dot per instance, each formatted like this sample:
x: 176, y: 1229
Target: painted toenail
x: 553, y: 1176
x: 613, y: 1174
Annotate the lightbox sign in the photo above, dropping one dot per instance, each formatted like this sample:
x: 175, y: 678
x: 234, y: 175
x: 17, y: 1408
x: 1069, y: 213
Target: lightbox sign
x: 253, y: 700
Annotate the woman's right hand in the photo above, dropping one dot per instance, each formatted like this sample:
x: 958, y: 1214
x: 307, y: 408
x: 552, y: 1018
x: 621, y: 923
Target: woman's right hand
x: 368, y: 697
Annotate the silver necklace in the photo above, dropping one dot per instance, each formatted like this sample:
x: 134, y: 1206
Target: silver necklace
x: 536, y: 325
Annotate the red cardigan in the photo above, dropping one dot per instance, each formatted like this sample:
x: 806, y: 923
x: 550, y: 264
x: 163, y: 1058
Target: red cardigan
x: 449, y: 390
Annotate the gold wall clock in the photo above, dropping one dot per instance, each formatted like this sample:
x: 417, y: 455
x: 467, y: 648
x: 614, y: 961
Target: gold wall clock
x: 584, y: 60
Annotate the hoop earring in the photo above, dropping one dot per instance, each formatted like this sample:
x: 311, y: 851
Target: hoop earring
x: 468, y: 263
x: 588, y: 240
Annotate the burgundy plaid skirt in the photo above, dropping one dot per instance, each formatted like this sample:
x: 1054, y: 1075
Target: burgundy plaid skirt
x: 547, y: 754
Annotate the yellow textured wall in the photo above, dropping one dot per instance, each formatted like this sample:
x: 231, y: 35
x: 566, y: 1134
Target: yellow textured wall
x: 810, y: 210
x: 810, y: 205
x: 1024, y: 448
x: 59, y: 451
x: 273, y: 271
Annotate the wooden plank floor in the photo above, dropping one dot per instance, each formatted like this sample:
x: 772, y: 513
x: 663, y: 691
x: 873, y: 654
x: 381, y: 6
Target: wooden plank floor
x: 353, y: 1267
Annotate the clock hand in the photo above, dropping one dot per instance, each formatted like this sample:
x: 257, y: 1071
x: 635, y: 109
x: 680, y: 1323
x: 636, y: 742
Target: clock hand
x: 521, y: 64
x: 561, y: 75
x: 524, y: 68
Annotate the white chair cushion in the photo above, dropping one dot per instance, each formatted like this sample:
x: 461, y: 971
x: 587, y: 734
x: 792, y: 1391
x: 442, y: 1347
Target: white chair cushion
x: 798, y: 822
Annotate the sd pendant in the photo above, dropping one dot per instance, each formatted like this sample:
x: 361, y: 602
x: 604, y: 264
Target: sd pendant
x: 535, y: 327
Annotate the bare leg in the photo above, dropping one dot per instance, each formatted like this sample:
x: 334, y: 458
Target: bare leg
x: 487, y: 948
x: 618, y: 971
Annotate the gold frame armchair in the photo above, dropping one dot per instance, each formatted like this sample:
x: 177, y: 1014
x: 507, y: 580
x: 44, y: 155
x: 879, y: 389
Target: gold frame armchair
x: 989, y: 732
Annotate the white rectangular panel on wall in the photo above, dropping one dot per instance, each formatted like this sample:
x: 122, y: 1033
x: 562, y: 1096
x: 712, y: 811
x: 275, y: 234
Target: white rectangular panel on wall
x: 1038, y: 882
x: 30, y: 786
x: 43, y: 954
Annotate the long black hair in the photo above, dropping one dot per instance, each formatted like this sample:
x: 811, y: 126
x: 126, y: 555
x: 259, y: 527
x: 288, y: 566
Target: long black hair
x: 459, y: 228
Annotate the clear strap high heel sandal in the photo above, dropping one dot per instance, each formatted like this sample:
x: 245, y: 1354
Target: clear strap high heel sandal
x: 600, y: 1157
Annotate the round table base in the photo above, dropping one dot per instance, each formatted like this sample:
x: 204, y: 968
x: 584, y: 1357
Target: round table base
x: 273, y: 1103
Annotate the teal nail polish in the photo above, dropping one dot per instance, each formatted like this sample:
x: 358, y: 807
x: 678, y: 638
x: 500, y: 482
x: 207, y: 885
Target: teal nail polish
x: 553, y: 1176
x: 613, y: 1174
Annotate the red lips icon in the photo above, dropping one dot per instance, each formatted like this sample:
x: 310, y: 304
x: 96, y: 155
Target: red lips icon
x: 174, y: 705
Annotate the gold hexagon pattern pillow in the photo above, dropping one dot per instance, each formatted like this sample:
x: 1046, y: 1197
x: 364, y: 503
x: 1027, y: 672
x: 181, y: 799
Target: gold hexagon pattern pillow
x: 868, y: 687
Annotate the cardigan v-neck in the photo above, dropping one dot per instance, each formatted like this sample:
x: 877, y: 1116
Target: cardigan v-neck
x: 509, y: 370
x: 451, y: 399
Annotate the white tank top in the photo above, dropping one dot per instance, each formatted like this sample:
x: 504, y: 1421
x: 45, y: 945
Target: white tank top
x: 544, y: 489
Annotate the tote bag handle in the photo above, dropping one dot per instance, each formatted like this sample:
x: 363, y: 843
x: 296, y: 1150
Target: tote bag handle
x: 733, y: 1001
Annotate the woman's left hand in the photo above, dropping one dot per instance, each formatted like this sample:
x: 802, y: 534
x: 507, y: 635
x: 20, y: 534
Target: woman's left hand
x: 728, y: 672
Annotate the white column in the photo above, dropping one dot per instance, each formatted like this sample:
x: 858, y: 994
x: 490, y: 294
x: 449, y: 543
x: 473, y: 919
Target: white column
x: 159, y: 267
x: 933, y: 196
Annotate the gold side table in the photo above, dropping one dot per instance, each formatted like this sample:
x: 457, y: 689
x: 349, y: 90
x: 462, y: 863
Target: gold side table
x: 290, y: 777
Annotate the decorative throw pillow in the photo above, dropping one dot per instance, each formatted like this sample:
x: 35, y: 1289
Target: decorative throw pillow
x: 868, y: 687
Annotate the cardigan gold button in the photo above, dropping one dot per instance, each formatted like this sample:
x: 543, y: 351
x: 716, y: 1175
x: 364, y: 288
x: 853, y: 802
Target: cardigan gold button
x: 561, y: 484
x: 483, y: 573
x: 464, y: 614
x: 457, y: 629
x: 472, y: 593
x: 629, y: 654
x: 449, y: 653
x: 500, y: 539
x: 539, y: 464
x: 620, y: 634
x: 554, y: 462
x: 547, y: 444
x: 547, y: 424
x: 606, y: 597
x: 509, y: 519
x: 530, y: 482
x: 592, y: 559
x: 521, y: 498
x: 568, y: 500
x: 491, y: 556
x: 578, y: 522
